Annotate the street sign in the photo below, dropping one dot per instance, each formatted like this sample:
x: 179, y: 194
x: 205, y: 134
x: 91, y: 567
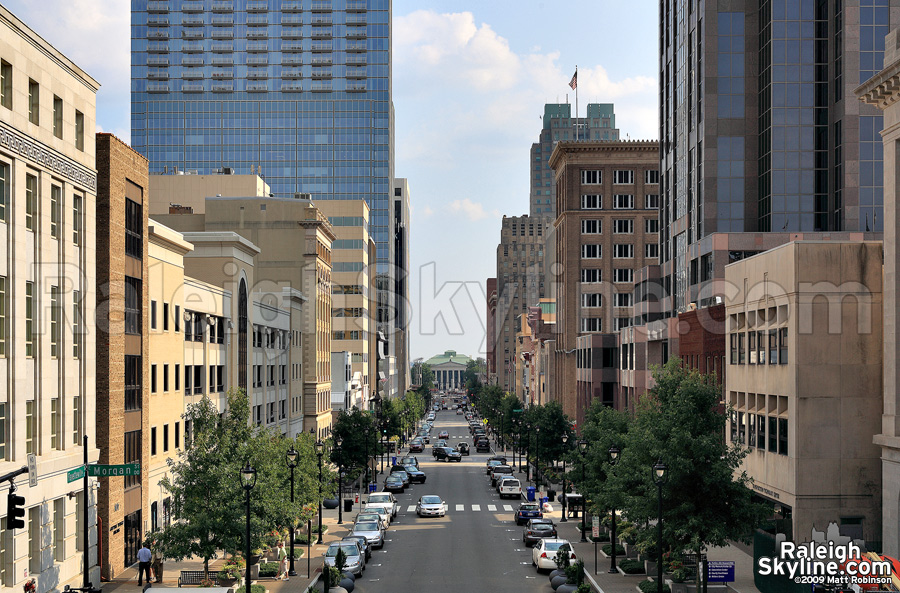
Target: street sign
x: 484, y: 421
x: 595, y: 527
x: 75, y: 474
x: 720, y: 571
x: 106, y: 471
x: 32, y: 470
x: 517, y: 410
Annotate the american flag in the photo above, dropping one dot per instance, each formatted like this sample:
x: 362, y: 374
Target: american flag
x: 574, y: 82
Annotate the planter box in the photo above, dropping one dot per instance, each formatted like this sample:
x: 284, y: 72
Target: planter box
x: 642, y: 575
x: 650, y: 567
x: 631, y: 550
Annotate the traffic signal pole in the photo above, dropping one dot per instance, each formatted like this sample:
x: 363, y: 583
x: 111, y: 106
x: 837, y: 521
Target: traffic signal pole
x: 86, y: 583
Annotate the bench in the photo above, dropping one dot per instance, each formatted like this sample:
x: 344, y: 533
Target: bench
x: 196, y: 577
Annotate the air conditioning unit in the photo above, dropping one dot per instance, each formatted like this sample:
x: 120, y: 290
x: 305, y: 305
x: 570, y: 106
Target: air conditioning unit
x: 302, y: 196
x: 227, y: 171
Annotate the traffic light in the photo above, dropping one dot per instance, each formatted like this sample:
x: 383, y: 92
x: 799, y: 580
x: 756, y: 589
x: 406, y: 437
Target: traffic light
x: 15, y: 510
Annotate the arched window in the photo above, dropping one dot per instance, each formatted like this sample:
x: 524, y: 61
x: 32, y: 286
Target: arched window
x: 242, y: 336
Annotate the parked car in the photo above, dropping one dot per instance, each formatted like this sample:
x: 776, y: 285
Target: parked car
x: 365, y: 516
x: 354, y: 562
x: 543, y: 555
x: 463, y: 448
x: 509, y: 487
x: 372, y: 531
x: 385, y: 500
x: 409, y: 460
x: 415, y: 474
x: 498, y: 471
x: 401, y: 473
x: 363, y: 545
x: 526, y: 511
x: 538, y: 529
x: 431, y: 505
x: 482, y: 446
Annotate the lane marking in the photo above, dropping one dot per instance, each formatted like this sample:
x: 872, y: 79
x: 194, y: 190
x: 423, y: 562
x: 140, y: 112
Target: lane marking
x: 460, y: 507
x: 412, y: 508
x: 507, y: 507
x: 476, y: 507
x: 492, y: 507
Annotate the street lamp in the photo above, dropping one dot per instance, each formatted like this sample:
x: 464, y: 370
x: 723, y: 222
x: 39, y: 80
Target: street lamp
x: 248, y: 481
x: 368, y: 432
x: 501, y: 431
x: 528, y: 452
x: 660, y: 475
x: 320, y: 450
x: 338, y: 441
x: 614, y: 452
x: 582, y: 447
x: 537, y: 453
x: 565, y: 440
x: 292, y: 456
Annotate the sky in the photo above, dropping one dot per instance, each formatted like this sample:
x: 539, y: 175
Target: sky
x: 470, y: 79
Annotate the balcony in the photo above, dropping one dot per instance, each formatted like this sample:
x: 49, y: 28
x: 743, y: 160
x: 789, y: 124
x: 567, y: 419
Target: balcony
x: 292, y: 60
x: 222, y: 61
x: 292, y: 87
x: 258, y: 20
x: 158, y: 48
x: 222, y: 7
x: 321, y: 74
x: 157, y: 87
x: 257, y: 87
x: 191, y: 87
x: 158, y: 74
x: 158, y: 21
x: 157, y: 61
x: 223, y: 75
x: 192, y: 48
x: 321, y: 61
x: 157, y: 7
x: 356, y: 73
x: 292, y: 19
x: 260, y: 74
x: 257, y: 47
x: 291, y: 73
x: 356, y: 46
x: 356, y: 33
x: 191, y: 61
x: 222, y: 48
x: 292, y: 46
x: 292, y: 32
x: 257, y: 60
x: 355, y: 19
x: 321, y: 87
x: 191, y: 74
x: 158, y: 35
x: 320, y: 21
x: 223, y: 33
x: 321, y: 34
x: 356, y: 60
x: 192, y: 21
x: 261, y: 34
x: 321, y: 47
x: 192, y: 34
x: 321, y: 6
x: 356, y: 5
x: 291, y: 7
x: 190, y: 7
x: 257, y: 6
x: 222, y: 21
x: 356, y: 87
x: 223, y: 87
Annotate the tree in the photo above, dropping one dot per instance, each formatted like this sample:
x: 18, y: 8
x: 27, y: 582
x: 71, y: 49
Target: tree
x: 603, y: 428
x: 352, y: 428
x: 706, y: 500
x: 472, y: 375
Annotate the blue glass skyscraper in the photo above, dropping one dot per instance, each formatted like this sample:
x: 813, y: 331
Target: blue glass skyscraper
x: 298, y: 91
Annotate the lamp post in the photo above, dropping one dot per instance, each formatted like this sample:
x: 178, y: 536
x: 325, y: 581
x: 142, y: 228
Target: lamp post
x: 383, y: 441
x: 368, y: 436
x: 537, y: 454
x: 660, y: 475
x: 501, y: 432
x: 528, y: 452
x: 565, y: 441
x: 320, y: 450
x: 248, y: 481
x: 614, y: 452
x: 582, y: 448
x: 338, y: 441
x: 292, y: 456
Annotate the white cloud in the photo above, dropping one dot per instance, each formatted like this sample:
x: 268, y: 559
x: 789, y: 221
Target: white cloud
x: 474, y: 211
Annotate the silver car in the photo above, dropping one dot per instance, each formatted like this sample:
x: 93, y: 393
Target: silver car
x: 431, y: 505
x: 370, y: 530
x: 355, y: 562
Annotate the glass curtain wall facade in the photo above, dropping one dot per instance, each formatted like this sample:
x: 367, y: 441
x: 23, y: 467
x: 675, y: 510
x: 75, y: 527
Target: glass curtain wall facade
x: 759, y: 128
x: 298, y: 91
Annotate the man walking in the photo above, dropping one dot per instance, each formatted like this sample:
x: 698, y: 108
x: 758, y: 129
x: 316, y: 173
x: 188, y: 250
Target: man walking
x: 144, y: 555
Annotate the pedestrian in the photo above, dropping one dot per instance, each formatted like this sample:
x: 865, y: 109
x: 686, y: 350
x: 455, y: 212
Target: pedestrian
x: 144, y: 556
x: 157, y: 563
x: 282, y: 563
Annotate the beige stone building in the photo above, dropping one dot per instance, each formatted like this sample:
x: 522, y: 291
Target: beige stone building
x: 48, y: 283
x: 804, y: 382
x: 353, y: 321
x: 607, y: 227
x: 186, y: 189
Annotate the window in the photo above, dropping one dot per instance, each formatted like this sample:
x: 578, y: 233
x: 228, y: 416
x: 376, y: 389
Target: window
x: 34, y: 539
x: 55, y: 441
x: 624, y: 202
x: 153, y: 440
x: 782, y: 436
x: 34, y: 102
x: 591, y: 227
x: 623, y: 226
x: 177, y: 435
x: 31, y: 190
x: 198, y: 378
x: 76, y: 420
x: 623, y: 299
x: 651, y: 202
x: 55, y: 198
x: 220, y: 330
x: 590, y: 276
x: 77, y: 200
x: 165, y: 313
x: 54, y: 322
x: 270, y: 375
x: 742, y: 357
x: 761, y: 431
x: 591, y: 177
x: 4, y: 190
x: 623, y: 275
x: 79, y: 130
x: 623, y: 251
x: 133, y: 382
x: 165, y: 437
x: 773, y: 346
x: 177, y: 377
x: 76, y: 324
x: 751, y: 347
x: 133, y: 294
x: 590, y: 300
x: 651, y: 250
x: 59, y: 529
x: 623, y: 177
x: 133, y: 453
x: 734, y: 429
x: 590, y: 251
x: 57, y: 116
x: 212, y: 379
x: 733, y: 339
x: 622, y: 322
x: 761, y: 347
x: 283, y: 379
x: 4, y: 433
x: 152, y: 314
x: 177, y: 318
x: 742, y: 429
x: 773, y: 434
x: 591, y: 324
x: 30, y: 427
x: 188, y: 326
x: 751, y: 424
x: 29, y: 319
x: 5, y: 88
x: 152, y: 378
x: 782, y: 346
x: 198, y: 327
x: 2, y: 318
x: 591, y: 202
x: 134, y: 223
x: 165, y: 378
x: 651, y: 225
x: 79, y: 520
x: 651, y: 177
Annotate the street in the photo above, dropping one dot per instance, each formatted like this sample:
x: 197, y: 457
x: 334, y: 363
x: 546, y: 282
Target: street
x: 477, y: 546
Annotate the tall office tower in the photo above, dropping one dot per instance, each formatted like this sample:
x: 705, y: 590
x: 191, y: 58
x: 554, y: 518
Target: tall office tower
x: 401, y: 281
x: 298, y: 91
x: 559, y: 125
x: 760, y: 131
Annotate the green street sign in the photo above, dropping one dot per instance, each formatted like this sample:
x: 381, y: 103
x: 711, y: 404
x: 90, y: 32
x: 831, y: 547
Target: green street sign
x: 75, y: 474
x: 517, y: 410
x: 107, y: 471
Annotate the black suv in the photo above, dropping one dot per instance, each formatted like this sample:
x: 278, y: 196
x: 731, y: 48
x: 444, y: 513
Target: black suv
x: 446, y: 454
x: 482, y: 446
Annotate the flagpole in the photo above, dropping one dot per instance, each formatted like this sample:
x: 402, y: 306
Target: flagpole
x: 576, y: 102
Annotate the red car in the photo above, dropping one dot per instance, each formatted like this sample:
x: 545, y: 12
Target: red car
x: 416, y: 446
x: 444, y: 435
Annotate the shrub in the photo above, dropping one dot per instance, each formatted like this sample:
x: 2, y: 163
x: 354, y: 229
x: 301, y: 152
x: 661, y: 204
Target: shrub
x: 583, y: 588
x: 631, y: 566
x: 562, y: 559
x: 575, y: 572
x: 268, y: 570
x: 649, y: 586
x: 315, y: 529
x: 603, y: 537
x: 620, y: 549
x: 253, y: 589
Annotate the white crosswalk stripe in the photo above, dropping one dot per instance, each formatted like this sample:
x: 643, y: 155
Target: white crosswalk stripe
x: 411, y: 508
x: 492, y: 507
x: 476, y: 507
x: 460, y: 507
x: 507, y: 507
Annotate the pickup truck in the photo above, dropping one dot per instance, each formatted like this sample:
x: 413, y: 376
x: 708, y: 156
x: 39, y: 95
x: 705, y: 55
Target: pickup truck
x: 510, y: 487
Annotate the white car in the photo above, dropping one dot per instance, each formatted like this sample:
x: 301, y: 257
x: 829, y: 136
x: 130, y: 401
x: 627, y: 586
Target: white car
x: 431, y: 505
x: 543, y: 554
x: 509, y: 487
x: 384, y: 499
x: 382, y: 511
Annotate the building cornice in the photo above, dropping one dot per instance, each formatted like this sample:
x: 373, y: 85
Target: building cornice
x: 565, y: 148
x: 883, y: 89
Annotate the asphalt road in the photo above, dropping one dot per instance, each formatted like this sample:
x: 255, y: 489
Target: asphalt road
x: 476, y: 547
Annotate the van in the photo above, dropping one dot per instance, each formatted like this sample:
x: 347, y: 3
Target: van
x: 510, y: 487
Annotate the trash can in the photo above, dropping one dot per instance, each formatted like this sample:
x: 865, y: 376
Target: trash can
x: 372, y: 487
x: 551, y: 495
x: 543, y: 500
x: 530, y: 493
x: 394, y: 460
x: 348, y: 505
